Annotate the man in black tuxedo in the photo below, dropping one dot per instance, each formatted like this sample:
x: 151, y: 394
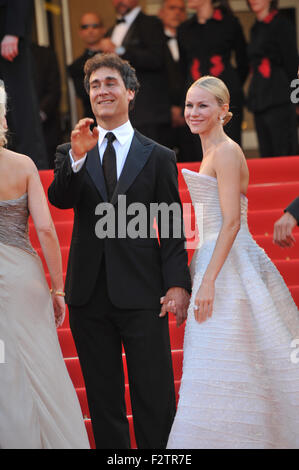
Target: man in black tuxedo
x: 16, y: 70
x: 139, y: 38
x: 115, y: 283
x: 172, y: 13
x: 91, y: 32
x: 284, y: 226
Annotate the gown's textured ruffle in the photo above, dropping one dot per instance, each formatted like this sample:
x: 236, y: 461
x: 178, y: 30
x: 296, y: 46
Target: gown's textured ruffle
x: 240, y: 388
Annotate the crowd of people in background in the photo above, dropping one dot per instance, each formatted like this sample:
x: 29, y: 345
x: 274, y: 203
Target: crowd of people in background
x: 168, y: 51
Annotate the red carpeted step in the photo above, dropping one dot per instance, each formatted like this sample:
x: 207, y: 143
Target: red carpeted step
x: 276, y: 252
x: 278, y: 169
x: 261, y: 222
x: 271, y: 196
x: 46, y: 177
x: 261, y: 170
x: 67, y: 344
x: 90, y: 433
x: 295, y: 294
x: 63, y: 229
x: 289, y: 269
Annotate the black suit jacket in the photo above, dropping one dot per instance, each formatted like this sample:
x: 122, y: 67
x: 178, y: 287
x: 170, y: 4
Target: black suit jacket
x: 175, y: 77
x: 293, y: 209
x: 16, y: 18
x: 145, y: 50
x: 76, y: 72
x: 139, y: 271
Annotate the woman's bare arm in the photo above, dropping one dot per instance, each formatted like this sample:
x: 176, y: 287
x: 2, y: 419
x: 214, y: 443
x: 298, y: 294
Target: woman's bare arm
x: 227, y: 166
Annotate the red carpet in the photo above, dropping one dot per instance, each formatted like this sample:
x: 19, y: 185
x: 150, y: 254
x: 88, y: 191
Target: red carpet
x: 274, y: 183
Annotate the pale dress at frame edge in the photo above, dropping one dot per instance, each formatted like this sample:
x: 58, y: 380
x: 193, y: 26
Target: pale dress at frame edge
x: 39, y: 407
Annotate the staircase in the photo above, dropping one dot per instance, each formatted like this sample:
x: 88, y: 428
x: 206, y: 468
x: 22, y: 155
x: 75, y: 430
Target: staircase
x: 274, y: 183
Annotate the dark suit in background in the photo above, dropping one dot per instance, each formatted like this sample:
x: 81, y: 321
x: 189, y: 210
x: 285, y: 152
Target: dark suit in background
x: 76, y: 72
x: 26, y: 135
x: 48, y: 87
x: 145, y: 47
x: 180, y: 138
x: 293, y: 209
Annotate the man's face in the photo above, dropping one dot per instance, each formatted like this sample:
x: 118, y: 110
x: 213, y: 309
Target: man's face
x: 258, y: 6
x: 173, y: 13
x: 122, y: 7
x: 109, y: 97
x: 91, y: 29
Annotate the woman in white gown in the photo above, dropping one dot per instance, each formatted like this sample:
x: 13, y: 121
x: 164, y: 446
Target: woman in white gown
x: 240, y: 387
x: 39, y: 408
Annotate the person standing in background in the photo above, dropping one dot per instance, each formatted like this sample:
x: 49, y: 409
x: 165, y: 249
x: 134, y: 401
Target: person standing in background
x: 91, y: 32
x: 207, y: 41
x: 274, y: 61
x: 16, y: 62
x: 172, y: 14
x: 48, y: 87
x: 139, y: 38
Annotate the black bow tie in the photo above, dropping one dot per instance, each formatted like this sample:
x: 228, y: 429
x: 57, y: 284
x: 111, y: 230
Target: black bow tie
x: 168, y: 38
x: 120, y: 20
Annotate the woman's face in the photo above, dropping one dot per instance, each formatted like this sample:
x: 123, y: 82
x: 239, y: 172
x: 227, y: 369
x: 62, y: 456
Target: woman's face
x: 258, y: 6
x: 202, y: 112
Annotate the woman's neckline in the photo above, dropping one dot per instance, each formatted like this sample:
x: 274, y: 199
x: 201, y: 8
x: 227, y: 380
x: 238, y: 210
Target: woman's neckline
x: 208, y: 177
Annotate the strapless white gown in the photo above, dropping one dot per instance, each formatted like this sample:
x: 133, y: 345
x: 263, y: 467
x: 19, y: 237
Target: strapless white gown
x: 39, y: 408
x: 240, y: 386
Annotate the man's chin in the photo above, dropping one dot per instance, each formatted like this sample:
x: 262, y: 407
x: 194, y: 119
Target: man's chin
x: 122, y: 11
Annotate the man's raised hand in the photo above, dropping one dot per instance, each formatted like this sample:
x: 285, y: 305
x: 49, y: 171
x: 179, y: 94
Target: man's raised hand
x: 83, y: 139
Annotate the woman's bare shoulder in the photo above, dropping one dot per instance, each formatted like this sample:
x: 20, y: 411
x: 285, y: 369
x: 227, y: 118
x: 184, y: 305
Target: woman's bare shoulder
x: 228, y: 152
x: 20, y: 161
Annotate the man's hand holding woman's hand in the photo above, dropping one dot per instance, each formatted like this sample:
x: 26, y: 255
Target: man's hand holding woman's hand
x: 176, y: 301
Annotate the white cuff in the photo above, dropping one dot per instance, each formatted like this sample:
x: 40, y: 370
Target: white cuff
x: 77, y: 165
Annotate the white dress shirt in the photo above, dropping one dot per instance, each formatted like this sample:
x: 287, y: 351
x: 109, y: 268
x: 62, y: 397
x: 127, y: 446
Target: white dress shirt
x: 173, y: 45
x: 120, y: 30
x: 124, y: 136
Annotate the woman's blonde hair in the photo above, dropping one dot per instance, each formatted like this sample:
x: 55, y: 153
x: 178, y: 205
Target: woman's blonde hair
x: 218, y: 88
x: 3, y: 99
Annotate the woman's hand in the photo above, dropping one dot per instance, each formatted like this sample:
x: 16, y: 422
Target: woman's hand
x: 59, y: 309
x: 204, y: 301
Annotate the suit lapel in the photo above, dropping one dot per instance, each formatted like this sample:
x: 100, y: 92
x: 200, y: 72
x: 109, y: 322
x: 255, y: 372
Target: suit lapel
x: 94, y: 168
x: 137, y: 157
x: 131, y: 32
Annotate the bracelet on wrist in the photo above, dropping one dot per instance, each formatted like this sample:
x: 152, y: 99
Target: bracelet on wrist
x: 57, y: 292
